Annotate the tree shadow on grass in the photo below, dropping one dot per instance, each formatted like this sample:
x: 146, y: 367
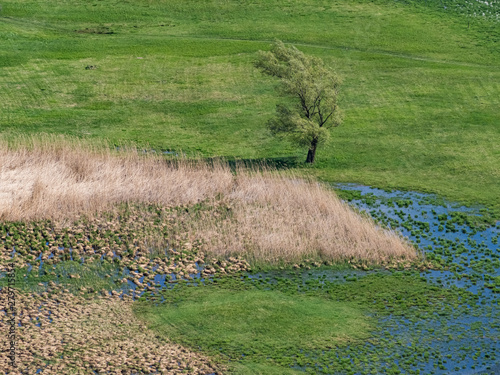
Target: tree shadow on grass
x: 277, y: 163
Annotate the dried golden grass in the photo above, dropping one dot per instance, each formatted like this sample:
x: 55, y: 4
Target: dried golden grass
x: 272, y: 217
x: 303, y: 218
x: 81, y: 336
x: 56, y: 177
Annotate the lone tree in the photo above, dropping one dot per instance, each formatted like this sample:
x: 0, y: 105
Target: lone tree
x: 314, y: 88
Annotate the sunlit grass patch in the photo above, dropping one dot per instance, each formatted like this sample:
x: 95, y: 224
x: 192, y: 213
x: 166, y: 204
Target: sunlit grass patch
x: 256, y: 323
x: 420, y: 92
x: 294, y: 321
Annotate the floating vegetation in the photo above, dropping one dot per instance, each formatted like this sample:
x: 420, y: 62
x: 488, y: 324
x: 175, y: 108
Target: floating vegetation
x: 385, y: 298
x: 464, y: 241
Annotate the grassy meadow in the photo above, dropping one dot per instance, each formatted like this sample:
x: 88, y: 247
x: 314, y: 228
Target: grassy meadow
x: 419, y: 96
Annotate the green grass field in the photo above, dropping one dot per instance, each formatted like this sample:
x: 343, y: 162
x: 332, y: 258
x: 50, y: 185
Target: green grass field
x: 420, y: 95
x: 258, y: 328
x: 267, y: 326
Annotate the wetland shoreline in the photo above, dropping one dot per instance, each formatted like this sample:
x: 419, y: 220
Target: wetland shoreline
x: 462, y: 289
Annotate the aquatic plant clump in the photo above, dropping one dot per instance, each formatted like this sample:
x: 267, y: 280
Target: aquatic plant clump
x: 140, y: 241
x: 462, y: 242
x: 262, y: 216
x: 61, y: 333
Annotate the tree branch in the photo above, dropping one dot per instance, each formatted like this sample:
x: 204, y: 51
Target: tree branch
x: 304, y: 104
x: 317, y: 100
x: 326, y: 119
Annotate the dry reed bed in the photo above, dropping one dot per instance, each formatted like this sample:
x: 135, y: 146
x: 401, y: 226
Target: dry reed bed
x: 268, y: 217
x: 100, y: 334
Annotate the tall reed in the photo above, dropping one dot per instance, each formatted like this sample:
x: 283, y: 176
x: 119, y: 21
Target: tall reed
x: 266, y: 216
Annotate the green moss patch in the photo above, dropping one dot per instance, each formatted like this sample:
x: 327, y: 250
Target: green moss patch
x: 255, y: 325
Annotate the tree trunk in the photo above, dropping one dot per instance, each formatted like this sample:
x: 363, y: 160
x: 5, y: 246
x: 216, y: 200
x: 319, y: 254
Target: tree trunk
x: 311, y: 154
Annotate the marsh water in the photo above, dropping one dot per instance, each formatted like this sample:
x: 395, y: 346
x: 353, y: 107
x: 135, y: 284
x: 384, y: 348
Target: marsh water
x: 465, y: 341
x: 468, y: 341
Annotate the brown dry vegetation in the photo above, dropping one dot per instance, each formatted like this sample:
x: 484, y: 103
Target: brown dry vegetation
x: 80, y: 336
x: 259, y: 215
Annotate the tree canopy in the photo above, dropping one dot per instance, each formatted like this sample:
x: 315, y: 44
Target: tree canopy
x: 315, y: 90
